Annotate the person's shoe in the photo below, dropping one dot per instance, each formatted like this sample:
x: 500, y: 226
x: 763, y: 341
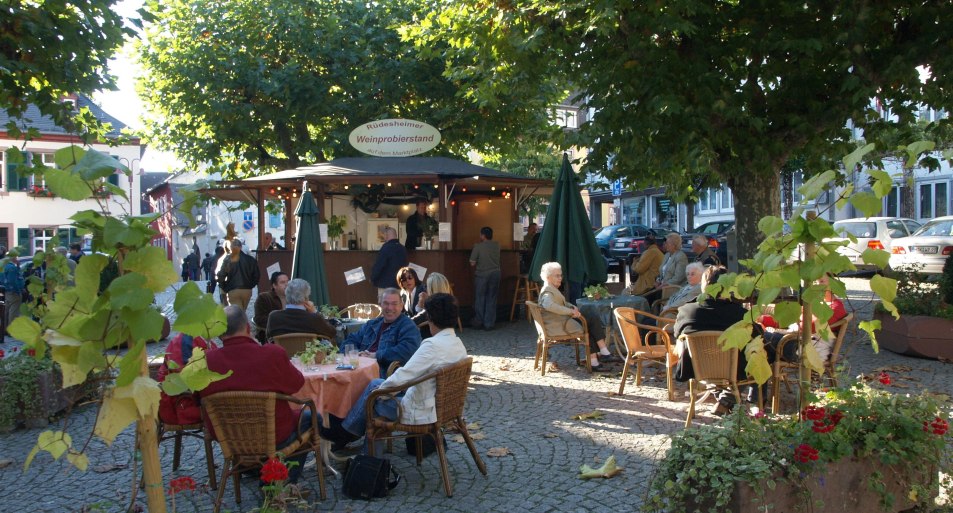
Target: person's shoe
x: 720, y: 410
x: 601, y: 368
x: 610, y: 358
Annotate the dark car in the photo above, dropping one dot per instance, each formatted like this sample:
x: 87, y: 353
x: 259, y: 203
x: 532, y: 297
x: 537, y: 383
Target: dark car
x: 607, y: 233
x: 627, y: 248
x: 717, y: 233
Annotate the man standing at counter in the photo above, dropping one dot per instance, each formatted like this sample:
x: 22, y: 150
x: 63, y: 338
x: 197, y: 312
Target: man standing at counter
x: 485, y: 259
x: 416, y: 224
x: 391, y: 257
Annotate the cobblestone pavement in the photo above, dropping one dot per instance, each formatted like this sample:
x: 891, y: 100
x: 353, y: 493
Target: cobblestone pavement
x: 515, y: 407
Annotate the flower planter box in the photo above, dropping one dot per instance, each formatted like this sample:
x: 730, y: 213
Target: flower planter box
x: 50, y: 400
x: 916, y: 335
x: 836, y: 487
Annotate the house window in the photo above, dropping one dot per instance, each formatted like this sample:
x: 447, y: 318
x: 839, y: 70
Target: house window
x: 934, y: 201
x: 707, y: 201
x: 42, y: 237
x: 892, y: 202
x: 727, y: 200
x: 566, y: 118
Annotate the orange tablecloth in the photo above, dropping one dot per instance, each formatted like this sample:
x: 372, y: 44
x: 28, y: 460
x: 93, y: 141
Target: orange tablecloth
x: 335, y: 391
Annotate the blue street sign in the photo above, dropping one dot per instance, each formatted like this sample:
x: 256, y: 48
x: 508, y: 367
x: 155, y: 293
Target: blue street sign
x: 617, y: 187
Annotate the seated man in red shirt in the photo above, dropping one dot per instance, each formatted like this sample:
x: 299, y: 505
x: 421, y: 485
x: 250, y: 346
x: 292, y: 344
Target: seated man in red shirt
x: 259, y: 368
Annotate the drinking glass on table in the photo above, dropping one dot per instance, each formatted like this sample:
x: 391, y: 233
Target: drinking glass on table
x: 350, y: 349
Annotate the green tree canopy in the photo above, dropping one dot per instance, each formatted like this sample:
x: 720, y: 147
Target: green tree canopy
x: 53, y: 48
x: 254, y: 86
x: 728, y: 88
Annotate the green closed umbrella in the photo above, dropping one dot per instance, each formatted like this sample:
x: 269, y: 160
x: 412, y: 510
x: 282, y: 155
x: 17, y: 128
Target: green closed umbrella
x: 308, y: 261
x: 567, y: 236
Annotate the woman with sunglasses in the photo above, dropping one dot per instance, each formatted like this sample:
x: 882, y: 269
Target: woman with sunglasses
x: 410, y: 290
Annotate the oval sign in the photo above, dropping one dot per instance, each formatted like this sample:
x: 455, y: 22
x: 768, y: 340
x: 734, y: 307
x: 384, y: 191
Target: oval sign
x: 394, y: 138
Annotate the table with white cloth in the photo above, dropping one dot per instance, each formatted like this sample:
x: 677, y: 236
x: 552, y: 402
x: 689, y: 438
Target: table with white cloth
x: 335, y: 390
x: 602, y: 309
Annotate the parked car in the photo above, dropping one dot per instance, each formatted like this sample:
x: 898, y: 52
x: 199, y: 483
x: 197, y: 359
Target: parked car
x: 627, y: 248
x: 607, y: 233
x: 717, y: 233
x: 929, y: 246
x: 871, y: 233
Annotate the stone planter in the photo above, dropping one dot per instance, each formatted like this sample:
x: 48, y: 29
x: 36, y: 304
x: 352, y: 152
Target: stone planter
x: 916, y: 335
x: 840, y: 486
x: 50, y: 400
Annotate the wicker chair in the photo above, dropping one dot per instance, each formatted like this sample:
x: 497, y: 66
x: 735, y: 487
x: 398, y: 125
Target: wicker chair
x: 545, y: 339
x: 713, y: 367
x: 176, y: 432
x: 451, y: 393
x: 639, y: 347
x: 782, y: 368
x: 244, y: 424
x: 371, y: 311
x: 294, y: 343
x: 667, y: 292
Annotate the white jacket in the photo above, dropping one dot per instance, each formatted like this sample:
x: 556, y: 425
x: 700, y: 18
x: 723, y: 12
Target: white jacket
x: 419, y: 403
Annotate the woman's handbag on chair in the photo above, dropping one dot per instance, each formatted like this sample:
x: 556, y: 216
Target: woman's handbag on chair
x: 366, y: 477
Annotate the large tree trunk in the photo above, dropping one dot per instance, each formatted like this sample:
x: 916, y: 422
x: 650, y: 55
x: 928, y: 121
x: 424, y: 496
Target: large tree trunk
x: 907, y: 194
x: 757, y: 194
x: 689, y: 216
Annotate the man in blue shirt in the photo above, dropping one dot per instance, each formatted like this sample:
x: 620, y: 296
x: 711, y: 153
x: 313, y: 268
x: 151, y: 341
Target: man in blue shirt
x: 13, y: 281
x: 392, y: 337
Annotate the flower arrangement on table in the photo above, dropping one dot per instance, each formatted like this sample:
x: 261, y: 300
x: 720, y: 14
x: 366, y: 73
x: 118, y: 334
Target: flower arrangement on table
x: 317, y: 351
x: 596, y: 292
x: 39, y: 191
x: 891, y: 431
x: 329, y: 311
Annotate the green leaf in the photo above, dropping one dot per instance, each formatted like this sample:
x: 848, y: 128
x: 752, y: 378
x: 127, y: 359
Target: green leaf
x: 737, y: 335
x: 868, y: 203
x: 78, y: 460
x: 915, y: 149
x: 851, y: 160
x: 877, y: 257
x: 128, y: 291
x: 844, y: 196
x: 871, y: 328
x: 54, y: 442
x: 768, y: 295
x: 144, y: 324
x: 87, y: 276
x: 196, y: 374
x: 770, y: 225
x: 152, y: 263
x: 884, y: 287
x: 115, y: 415
x: 67, y: 185
x: 757, y: 361
x: 130, y: 364
x: 26, y: 330
x: 174, y: 385
x: 882, y: 182
x: 787, y: 313
x: 198, y: 313
x: 95, y: 165
x: 816, y: 185
x: 68, y: 156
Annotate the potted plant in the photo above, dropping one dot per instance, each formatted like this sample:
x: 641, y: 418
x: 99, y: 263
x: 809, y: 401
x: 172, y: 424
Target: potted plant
x: 39, y: 191
x: 892, y: 446
x: 596, y: 292
x: 316, y: 352
x: 31, y: 391
x: 431, y: 228
x: 336, y: 226
x: 925, y: 326
x: 329, y: 311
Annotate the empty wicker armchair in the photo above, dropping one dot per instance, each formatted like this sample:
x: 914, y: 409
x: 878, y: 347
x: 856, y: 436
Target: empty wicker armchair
x: 451, y: 394
x: 713, y: 368
x: 244, y: 425
x: 545, y: 339
x: 645, y: 344
x: 294, y: 343
x: 363, y: 311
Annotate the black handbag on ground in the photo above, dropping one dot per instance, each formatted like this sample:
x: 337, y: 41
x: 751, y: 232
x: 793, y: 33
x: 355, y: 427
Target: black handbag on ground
x: 366, y: 477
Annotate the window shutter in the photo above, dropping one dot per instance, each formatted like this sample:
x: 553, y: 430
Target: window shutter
x: 23, y: 239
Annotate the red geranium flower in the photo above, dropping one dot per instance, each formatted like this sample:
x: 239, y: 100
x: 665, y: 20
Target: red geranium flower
x: 813, y: 413
x: 274, y: 470
x: 884, y: 378
x: 937, y: 427
x: 31, y: 352
x: 181, y: 484
x: 805, y: 453
x: 2, y: 354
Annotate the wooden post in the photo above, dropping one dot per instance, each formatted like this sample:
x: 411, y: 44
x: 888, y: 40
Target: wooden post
x: 149, y: 448
x: 804, y: 372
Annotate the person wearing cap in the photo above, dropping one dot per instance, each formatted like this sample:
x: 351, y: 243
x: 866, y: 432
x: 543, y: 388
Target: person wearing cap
x: 238, y: 276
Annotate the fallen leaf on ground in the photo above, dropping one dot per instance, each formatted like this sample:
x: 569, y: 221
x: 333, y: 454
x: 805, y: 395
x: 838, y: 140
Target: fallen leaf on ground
x: 593, y: 415
x: 498, y: 452
x: 5, y: 462
x: 473, y: 426
x: 457, y: 438
x: 109, y: 467
x: 607, y: 470
x: 478, y: 436
x: 553, y: 367
x: 550, y: 435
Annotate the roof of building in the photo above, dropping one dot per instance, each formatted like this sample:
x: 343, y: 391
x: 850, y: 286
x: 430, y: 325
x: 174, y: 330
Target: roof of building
x: 32, y: 118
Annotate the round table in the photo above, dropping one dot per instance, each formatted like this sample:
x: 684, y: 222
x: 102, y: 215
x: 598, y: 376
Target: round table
x: 602, y: 308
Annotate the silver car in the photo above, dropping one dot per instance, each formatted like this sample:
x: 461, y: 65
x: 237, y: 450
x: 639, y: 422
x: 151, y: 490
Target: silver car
x: 929, y: 246
x: 871, y: 233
